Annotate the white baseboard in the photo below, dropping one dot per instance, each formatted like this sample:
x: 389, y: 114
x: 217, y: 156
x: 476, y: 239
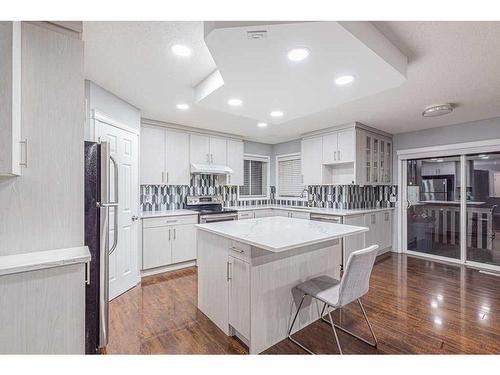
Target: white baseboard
x: 170, y: 267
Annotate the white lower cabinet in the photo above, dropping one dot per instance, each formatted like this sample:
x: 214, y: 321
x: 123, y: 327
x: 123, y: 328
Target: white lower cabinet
x: 300, y: 215
x: 168, y: 241
x: 380, y: 233
x: 264, y: 213
x: 246, y: 215
x: 239, y: 295
x: 283, y: 213
x: 355, y: 242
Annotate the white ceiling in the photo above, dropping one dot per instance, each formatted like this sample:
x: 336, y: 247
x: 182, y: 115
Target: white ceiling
x: 453, y: 62
x: 259, y: 73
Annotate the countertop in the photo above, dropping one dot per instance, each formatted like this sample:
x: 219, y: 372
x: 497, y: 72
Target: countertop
x: 166, y: 213
x: 277, y: 234
x: 316, y: 210
x: 456, y: 203
x: 38, y: 260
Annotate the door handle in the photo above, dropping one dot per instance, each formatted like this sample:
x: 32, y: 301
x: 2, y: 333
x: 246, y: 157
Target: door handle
x: 135, y: 217
x: 25, y: 162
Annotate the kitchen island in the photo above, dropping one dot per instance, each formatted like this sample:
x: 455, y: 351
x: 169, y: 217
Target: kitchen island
x: 247, y: 270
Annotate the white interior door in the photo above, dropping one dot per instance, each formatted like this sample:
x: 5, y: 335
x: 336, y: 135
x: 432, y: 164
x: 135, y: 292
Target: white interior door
x: 123, y: 262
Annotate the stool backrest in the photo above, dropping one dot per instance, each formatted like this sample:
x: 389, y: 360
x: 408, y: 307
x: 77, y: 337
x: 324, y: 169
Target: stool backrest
x: 356, y: 279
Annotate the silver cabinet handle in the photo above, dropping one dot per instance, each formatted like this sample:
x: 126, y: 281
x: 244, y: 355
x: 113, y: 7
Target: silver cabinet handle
x: 237, y: 250
x: 338, y: 154
x: 25, y: 162
x: 171, y: 221
x: 174, y: 234
x: 211, y: 158
x: 162, y: 177
x: 169, y: 234
x: 115, y: 237
x: 167, y: 176
x: 227, y: 271
x: 334, y: 155
x: 208, y: 158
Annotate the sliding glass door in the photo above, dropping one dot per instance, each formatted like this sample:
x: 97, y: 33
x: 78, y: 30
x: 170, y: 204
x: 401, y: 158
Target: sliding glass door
x: 433, y: 206
x: 452, y: 208
x: 483, y: 208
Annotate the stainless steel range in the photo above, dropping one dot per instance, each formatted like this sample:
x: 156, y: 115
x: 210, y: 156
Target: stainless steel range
x: 210, y: 209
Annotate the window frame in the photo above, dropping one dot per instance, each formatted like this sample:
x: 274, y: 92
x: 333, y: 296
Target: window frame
x: 264, y: 159
x: 284, y: 157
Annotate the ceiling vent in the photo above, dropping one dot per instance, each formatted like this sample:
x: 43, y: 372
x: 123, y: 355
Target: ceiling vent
x: 257, y: 34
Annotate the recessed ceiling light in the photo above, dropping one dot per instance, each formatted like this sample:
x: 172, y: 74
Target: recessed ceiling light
x: 437, y: 110
x: 181, y: 50
x: 262, y: 124
x: 235, y: 102
x: 182, y: 106
x: 276, y: 114
x: 344, y: 80
x: 298, y: 54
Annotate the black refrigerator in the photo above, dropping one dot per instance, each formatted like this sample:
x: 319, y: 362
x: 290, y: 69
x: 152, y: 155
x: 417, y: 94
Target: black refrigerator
x: 98, y: 164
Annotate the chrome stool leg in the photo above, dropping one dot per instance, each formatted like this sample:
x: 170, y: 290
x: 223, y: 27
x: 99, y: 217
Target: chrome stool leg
x: 291, y: 327
x: 373, y: 344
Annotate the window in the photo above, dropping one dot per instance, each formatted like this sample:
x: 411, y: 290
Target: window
x: 289, y: 176
x: 255, y: 177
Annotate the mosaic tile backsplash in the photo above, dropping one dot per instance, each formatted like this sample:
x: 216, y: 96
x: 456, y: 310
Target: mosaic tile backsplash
x: 160, y: 197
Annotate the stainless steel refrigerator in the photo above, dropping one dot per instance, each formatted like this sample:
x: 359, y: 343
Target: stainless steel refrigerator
x: 434, y: 189
x: 98, y: 164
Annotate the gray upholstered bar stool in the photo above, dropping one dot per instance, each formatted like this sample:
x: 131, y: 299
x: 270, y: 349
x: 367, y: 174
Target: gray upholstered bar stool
x: 336, y: 294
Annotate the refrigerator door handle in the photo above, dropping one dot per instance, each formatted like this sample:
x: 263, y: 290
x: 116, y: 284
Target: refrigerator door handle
x: 115, y: 205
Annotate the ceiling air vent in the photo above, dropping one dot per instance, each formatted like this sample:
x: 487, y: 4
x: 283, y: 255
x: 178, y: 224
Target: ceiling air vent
x: 257, y: 34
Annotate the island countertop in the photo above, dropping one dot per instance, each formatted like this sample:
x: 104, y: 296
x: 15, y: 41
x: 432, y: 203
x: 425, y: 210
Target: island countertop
x: 277, y: 234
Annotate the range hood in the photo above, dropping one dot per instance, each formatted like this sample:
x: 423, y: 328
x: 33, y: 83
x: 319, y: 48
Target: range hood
x: 197, y: 168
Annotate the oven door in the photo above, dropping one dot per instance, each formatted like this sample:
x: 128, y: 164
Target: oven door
x: 218, y: 217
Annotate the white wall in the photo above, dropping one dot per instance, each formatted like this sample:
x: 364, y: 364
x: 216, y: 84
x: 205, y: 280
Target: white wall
x: 105, y: 102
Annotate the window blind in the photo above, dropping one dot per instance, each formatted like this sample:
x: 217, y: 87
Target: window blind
x: 290, y: 177
x: 254, y: 178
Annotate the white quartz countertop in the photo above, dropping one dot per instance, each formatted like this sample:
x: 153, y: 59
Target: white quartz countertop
x: 181, y: 212
x: 316, y: 210
x: 279, y: 234
x: 38, y: 260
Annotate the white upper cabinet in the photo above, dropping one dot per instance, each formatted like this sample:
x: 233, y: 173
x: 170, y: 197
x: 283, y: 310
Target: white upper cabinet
x: 177, y: 161
x: 346, y: 150
x: 199, y: 149
x: 235, y: 161
x: 153, y: 156
x: 339, y: 147
x: 10, y: 99
x: 312, y: 164
x: 352, y: 155
x: 218, y: 151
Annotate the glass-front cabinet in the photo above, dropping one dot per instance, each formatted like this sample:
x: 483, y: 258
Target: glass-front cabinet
x: 377, y: 160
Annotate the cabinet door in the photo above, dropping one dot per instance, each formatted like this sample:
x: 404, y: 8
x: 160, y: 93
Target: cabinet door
x: 386, y: 229
x: 199, y: 149
x: 283, y: 213
x: 300, y: 215
x: 235, y: 161
x: 330, y: 148
x: 368, y: 157
x: 218, y: 151
x: 239, y: 296
x: 183, y: 243
x: 264, y: 213
x: 375, y: 160
x: 156, y: 248
x: 346, y: 145
x: 177, y: 159
x: 152, y: 156
x: 371, y: 235
x: 356, y: 242
x: 312, y: 161
x: 388, y: 166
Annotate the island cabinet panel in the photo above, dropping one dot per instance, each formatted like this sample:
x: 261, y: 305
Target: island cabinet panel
x: 355, y: 242
x: 239, y: 296
x: 273, y: 297
x: 213, y: 274
x: 264, y: 213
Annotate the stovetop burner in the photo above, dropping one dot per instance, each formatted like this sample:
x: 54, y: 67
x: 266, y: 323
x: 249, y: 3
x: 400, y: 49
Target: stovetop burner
x: 207, y: 205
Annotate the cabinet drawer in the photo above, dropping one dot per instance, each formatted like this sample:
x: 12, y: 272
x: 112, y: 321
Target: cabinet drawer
x: 169, y: 220
x: 240, y: 250
x: 246, y: 215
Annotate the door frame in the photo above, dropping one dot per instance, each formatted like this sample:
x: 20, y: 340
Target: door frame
x: 454, y: 149
x: 98, y: 116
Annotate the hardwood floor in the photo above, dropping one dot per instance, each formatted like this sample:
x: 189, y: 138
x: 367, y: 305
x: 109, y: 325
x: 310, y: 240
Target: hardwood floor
x: 414, y: 305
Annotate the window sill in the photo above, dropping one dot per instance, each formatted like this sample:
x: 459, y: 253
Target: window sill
x: 299, y: 199
x: 255, y: 198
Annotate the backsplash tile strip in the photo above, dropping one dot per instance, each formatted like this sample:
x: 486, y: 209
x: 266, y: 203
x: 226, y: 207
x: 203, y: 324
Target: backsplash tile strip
x: 169, y: 197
